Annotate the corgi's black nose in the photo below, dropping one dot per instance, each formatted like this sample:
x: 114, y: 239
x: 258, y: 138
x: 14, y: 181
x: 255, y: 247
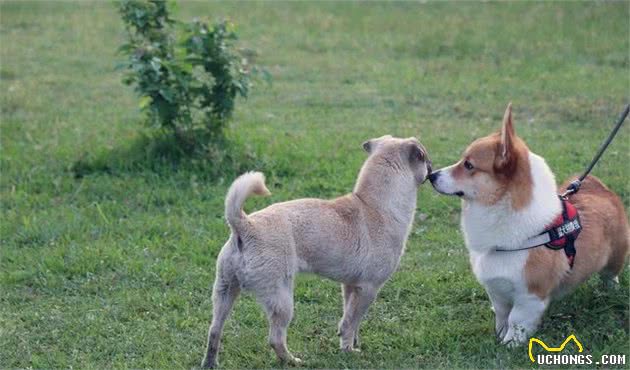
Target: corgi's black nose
x: 434, y: 175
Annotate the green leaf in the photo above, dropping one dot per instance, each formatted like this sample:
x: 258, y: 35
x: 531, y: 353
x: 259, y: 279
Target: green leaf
x: 145, y: 101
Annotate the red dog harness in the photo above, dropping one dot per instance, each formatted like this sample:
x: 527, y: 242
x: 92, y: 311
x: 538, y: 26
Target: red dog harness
x: 564, y: 230
x: 561, y: 234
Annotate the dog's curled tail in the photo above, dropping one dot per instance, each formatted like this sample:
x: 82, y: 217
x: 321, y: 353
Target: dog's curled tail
x: 245, y: 185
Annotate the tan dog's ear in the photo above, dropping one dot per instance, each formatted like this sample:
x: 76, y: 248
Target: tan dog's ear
x: 370, y: 145
x: 416, y: 150
x: 367, y: 146
x: 507, y: 137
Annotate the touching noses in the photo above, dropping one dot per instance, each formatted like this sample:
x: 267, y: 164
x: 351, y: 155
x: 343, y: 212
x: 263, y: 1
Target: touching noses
x: 434, y: 175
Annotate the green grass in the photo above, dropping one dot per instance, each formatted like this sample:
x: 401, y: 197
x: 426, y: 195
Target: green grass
x: 107, y: 251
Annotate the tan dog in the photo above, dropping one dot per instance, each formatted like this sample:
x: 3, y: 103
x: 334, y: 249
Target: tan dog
x: 509, y: 197
x: 356, y: 239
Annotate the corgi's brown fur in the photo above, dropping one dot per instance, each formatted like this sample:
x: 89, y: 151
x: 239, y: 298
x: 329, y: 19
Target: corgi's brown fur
x: 602, y: 245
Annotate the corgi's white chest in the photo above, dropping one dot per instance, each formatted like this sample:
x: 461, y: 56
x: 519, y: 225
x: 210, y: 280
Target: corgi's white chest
x: 500, y: 272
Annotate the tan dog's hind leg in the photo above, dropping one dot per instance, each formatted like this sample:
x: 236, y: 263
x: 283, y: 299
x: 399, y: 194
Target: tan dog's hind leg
x: 347, y: 292
x: 279, y: 308
x: 356, y: 306
x: 224, y: 294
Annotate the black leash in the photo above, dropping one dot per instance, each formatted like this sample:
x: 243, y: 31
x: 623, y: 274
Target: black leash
x: 574, y: 186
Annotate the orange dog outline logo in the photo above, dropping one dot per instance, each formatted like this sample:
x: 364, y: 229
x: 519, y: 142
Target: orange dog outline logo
x: 533, y: 340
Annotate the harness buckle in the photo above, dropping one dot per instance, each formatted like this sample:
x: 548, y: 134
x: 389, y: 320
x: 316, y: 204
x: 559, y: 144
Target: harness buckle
x: 573, y: 188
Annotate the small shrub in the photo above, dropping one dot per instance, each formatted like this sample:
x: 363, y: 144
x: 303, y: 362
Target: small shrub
x: 188, y: 81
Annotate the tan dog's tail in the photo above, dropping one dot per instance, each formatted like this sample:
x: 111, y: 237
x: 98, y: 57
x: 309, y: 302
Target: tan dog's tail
x: 245, y: 185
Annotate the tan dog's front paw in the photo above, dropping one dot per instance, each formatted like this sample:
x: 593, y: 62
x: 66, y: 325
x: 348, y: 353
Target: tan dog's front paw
x: 349, y: 349
x: 296, y: 361
x: 209, y: 364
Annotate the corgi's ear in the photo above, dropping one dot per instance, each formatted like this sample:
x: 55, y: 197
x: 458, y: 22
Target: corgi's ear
x: 507, y: 137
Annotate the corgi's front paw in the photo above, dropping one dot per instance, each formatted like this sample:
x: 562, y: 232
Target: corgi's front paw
x: 511, y: 343
x: 501, y: 331
x: 514, y: 337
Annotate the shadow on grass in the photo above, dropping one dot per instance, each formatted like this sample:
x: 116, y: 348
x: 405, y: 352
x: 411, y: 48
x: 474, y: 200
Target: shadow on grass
x: 164, y: 154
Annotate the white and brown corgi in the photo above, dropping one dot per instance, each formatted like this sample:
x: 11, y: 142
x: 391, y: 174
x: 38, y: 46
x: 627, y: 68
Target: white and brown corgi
x: 509, y: 198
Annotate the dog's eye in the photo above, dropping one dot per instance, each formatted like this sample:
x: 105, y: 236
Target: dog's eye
x: 468, y: 165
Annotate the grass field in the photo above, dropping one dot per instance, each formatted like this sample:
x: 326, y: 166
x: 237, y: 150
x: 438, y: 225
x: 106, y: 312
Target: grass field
x: 107, y: 251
